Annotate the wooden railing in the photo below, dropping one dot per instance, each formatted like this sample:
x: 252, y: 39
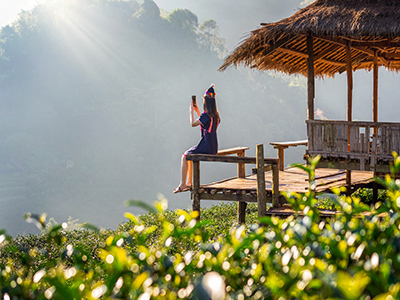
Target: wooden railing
x: 260, y: 162
x: 354, y: 140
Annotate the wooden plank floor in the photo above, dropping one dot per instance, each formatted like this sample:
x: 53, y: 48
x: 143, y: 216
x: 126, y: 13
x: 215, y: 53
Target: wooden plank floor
x: 295, y: 180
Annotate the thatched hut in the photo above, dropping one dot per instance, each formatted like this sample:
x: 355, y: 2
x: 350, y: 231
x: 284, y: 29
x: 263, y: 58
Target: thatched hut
x: 323, y: 39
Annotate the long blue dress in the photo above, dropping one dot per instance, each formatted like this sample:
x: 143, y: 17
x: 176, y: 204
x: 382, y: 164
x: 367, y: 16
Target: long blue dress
x: 209, y: 142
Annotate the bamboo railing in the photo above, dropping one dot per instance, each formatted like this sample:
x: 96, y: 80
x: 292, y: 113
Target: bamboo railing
x: 354, y: 140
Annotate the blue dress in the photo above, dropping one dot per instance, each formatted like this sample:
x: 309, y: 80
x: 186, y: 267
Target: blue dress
x: 209, y: 142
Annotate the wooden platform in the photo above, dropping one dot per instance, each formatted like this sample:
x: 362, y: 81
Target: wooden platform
x: 268, y: 182
x: 290, y: 180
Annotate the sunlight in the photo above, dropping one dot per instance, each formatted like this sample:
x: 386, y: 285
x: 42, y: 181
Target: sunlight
x: 85, y: 40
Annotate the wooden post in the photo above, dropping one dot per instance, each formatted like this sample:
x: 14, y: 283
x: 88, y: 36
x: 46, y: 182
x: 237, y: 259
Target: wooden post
x: 241, y: 170
x: 310, y: 78
x: 261, y: 197
x: 281, y: 156
x: 275, y: 185
x: 375, y: 190
x: 349, y: 87
x: 241, y: 167
x: 375, y: 93
x: 196, y: 186
x: 349, y: 107
x: 348, y: 182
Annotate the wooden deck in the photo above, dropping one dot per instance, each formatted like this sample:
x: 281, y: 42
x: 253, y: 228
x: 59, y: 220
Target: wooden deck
x: 290, y: 180
x: 268, y: 182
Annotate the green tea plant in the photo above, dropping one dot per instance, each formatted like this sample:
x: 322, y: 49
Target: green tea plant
x: 169, y: 255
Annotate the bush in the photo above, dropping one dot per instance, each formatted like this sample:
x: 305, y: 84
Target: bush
x: 168, y: 255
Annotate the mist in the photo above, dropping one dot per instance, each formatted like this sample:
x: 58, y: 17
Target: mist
x: 94, y: 103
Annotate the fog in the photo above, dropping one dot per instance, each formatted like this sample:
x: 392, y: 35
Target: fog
x: 94, y: 103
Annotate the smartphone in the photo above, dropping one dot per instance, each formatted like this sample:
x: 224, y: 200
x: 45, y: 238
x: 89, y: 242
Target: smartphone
x: 194, y: 100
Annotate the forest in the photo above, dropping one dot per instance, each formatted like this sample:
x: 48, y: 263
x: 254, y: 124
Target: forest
x: 94, y: 101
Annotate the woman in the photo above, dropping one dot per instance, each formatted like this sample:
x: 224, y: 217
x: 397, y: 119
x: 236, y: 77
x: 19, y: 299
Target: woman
x: 208, y: 121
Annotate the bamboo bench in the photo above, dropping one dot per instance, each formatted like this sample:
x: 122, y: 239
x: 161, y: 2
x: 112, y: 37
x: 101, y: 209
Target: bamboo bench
x: 223, y: 157
x: 281, y: 146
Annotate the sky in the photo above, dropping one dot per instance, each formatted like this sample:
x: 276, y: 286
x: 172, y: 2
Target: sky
x: 9, y: 9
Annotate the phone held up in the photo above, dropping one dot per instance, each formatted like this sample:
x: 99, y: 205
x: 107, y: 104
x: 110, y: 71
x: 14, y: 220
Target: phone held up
x: 194, y: 100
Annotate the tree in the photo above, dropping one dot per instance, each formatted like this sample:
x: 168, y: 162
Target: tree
x: 184, y: 20
x: 209, y: 37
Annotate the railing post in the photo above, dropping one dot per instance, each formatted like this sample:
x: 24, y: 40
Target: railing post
x: 261, y: 197
x: 241, y: 170
x: 196, y: 187
x: 275, y: 185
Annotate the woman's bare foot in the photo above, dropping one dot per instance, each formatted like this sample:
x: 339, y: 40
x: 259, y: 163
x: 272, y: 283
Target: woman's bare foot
x: 181, y: 188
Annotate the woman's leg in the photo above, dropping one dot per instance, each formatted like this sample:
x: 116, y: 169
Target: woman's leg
x: 190, y: 173
x: 184, y: 171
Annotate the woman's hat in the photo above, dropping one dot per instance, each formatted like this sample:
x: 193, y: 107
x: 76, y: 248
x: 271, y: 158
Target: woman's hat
x: 210, y: 92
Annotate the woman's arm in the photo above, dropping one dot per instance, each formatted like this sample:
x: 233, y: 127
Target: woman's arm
x: 194, y: 122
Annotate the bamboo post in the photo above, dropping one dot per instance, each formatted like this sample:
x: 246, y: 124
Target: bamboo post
x: 196, y: 186
x: 281, y: 156
x: 240, y: 166
x: 375, y: 92
x: 349, y: 89
x: 348, y: 182
x: 275, y: 185
x: 349, y: 107
x: 261, y: 197
x: 241, y: 205
x: 375, y: 190
x: 310, y: 78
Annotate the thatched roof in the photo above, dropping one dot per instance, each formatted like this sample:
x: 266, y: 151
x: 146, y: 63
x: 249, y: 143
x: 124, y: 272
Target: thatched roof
x: 368, y: 26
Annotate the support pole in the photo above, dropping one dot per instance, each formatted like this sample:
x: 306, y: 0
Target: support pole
x: 349, y: 84
x: 241, y: 170
x: 310, y: 78
x: 348, y: 182
x: 375, y: 92
x: 196, y: 187
x: 374, y: 191
x: 261, y: 197
x: 349, y: 107
x: 275, y: 186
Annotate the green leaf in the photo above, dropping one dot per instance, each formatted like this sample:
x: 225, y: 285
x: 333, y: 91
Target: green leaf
x: 141, y: 204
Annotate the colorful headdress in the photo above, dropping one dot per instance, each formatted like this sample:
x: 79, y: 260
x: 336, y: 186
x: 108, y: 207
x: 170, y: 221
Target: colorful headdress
x: 210, y: 92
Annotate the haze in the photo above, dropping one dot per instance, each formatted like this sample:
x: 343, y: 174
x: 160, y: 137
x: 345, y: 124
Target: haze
x: 94, y: 102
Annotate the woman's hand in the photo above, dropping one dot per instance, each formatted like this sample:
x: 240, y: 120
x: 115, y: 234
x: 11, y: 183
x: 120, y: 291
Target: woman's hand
x: 194, y: 108
x: 194, y: 122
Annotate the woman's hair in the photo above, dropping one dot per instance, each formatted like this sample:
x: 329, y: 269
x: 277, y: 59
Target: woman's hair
x: 211, y: 108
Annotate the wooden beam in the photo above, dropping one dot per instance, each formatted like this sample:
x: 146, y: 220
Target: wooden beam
x: 241, y: 211
x: 229, y: 159
x: 372, y: 53
x: 305, y: 55
x: 375, y: 92
x: 310, y: 78
x: 359, y: 61
x: 358, y: 43
x: 390, y: 55
x: 261, y: 197
x: 348, y: 182
x: 277, y: 45
x: 275, y: 186
x: 196, y: 187
x: 328, y: 50
x: 349, y: 88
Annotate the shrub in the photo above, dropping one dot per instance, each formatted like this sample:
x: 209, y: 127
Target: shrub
x: 168, y: 255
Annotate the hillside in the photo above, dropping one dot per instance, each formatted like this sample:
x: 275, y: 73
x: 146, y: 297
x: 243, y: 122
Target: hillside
x: 94, y: 100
